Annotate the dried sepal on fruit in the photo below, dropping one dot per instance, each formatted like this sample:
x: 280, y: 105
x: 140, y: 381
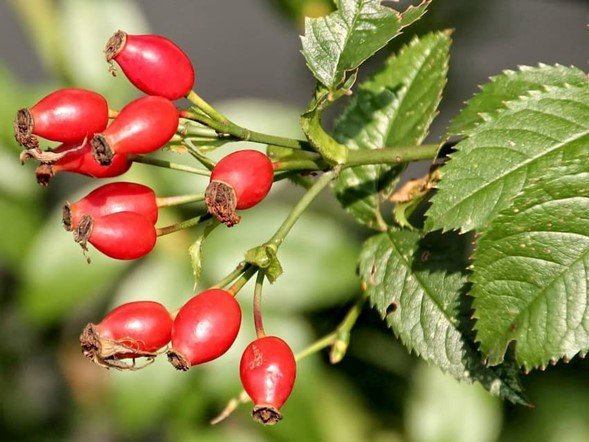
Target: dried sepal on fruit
x: 133, y: 330
x: 78, y: 158
x: 238, y: 181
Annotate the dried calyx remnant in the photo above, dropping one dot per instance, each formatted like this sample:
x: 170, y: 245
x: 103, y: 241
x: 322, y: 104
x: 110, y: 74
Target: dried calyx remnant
x: 109, y: 353
x: 221, y: 201
x: 113, y: 46
x: 266, y: 414
x: 101, y: 150
x: 178, y: 360
x: 23, y: 129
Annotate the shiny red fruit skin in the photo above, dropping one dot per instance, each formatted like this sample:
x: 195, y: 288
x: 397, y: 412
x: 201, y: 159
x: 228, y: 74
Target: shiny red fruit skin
x: 80, y: 160
x: 113, y: 198
x: 145, y: 326
x: 156, y: 66
x: 69, y: 115
x: 249, y: 173
x: 268, y: 371
x: 142, y: 126
x: 123, y: 235
x: 206, y: 326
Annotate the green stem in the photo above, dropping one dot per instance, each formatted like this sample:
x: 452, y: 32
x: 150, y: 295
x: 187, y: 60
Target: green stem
x: 238, y: 271
x: 242, y: 280
x: 258, y: 323
x: 300, y: 207
x: 183, y: 225
x: 205, y: 107
x: 300, y: 165
x: 340, y: 345
x: 170, y: 201
x: 229, y: 128
x: 316, y: 346
x: 202, y: 159
x: 391, y: 155
x: 168, y: 165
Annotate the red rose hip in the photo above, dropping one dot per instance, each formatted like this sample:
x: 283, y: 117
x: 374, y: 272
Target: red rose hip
x: 112, y: 198
x: 132, y: 330
x: 142, y: 126
x: 66, y: 115
x: 78, y: 158
x: 268, y: 371
x: 154, y: 64
x: 121, y: 235
x: 204, y: 328
x: 239, y: 181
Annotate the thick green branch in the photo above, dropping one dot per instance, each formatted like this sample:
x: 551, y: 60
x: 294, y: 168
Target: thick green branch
x: 391, y: 155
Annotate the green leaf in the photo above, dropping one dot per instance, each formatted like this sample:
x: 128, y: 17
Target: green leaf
x: 343, y: 40
x: 502, y: 155
x: 195, y: 250
x: 509, y: 86
x: 394, y: 108
x: 531, y: 273
x: 418, y: 286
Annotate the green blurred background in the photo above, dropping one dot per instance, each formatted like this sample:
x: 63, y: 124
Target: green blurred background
x: 247, y: 61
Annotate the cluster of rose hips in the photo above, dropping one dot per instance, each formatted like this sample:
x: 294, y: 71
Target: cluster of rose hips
x: 119, y: 219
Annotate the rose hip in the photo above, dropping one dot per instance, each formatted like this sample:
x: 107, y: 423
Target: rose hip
x: 142, y: 126
x: 239, y: 181
x: 132, y: 330
x: 66, y: 115
x: 112, y: 198
x: 268, y: 371
x: 204, y: 329
x: 154, y: 64
x: 121, y: 235
x: 79, y: 159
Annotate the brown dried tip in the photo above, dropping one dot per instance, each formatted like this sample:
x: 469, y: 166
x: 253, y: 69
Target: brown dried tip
x: 43, y: 156
x: 178, y: 360
x: 114, y: 45
x: 101, y: 149
x: 83, y: 232
x: 67, y: 217
x: 23, y: 129
x: 44, y: 174
x: 108, y: 353
x: 221, y: 201
x: 266, y: 414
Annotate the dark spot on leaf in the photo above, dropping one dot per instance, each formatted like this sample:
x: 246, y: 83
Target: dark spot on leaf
x: 392, y: 308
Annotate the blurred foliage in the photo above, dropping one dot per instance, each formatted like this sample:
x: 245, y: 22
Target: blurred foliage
x: 48, y: 292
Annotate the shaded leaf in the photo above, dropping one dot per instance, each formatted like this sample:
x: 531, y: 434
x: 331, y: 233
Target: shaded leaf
x: 530, y: 274
x: 509, y: 86
x: 343, y: 40
x: 394, y: 108
x: 418, y: 286
x: 503, y: 155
